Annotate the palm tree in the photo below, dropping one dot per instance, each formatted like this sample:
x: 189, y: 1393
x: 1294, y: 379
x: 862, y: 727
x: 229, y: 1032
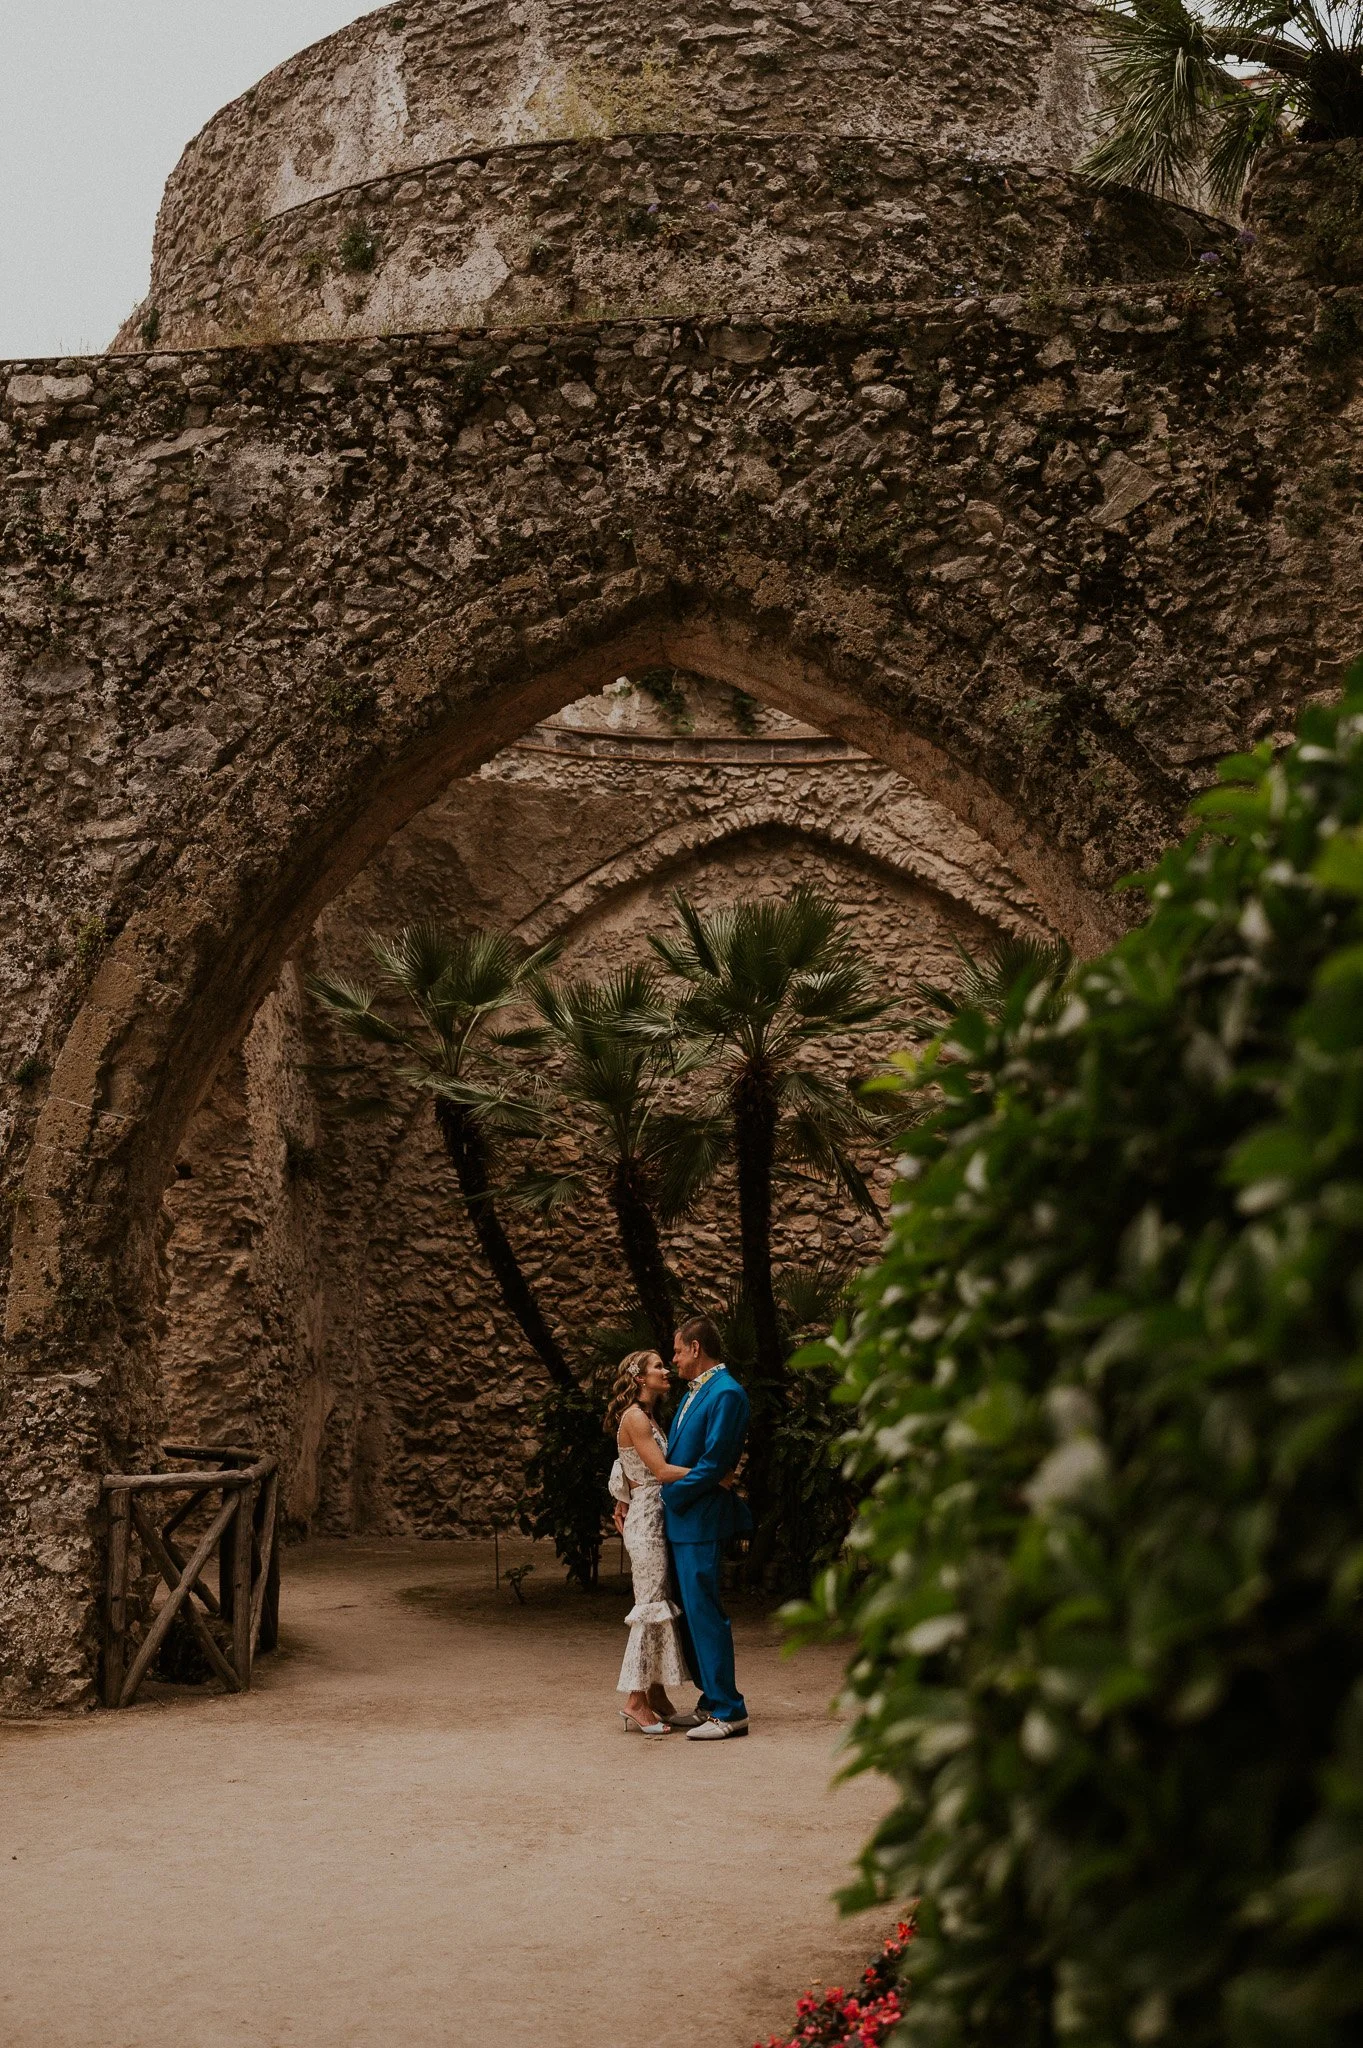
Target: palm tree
x: 448, y: 990
x: 1179, y: 113
x: 1009, y: 967
x: 615, y: 1073
x: 766, y: 981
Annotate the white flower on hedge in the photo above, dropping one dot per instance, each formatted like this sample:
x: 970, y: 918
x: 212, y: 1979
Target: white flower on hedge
x: 1254, y: 926
x: 1073, y: 1412
x: 946, y: 1738
x: 1067, y: 1472
x: 928, y: 1637
x: 1039, y: 1737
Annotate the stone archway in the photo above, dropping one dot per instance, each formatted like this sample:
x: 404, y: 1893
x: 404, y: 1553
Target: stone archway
x: 175, y: 988
x: 254, y: 733
x: 326, y: 1299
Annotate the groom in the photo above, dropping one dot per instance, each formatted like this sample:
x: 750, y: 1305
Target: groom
x: 700, y: 1516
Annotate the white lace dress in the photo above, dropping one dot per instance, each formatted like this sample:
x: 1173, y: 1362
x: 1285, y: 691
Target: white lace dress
x: 653, y: 1654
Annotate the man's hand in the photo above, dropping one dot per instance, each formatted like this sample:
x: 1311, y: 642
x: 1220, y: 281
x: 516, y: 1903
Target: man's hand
x: 620, y: 1512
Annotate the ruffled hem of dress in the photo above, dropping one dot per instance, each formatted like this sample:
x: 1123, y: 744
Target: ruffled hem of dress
x: 652, y: 1613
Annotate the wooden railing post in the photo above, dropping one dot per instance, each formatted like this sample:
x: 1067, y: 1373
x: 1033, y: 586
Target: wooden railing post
x: 243, y: 1526
x: 116, y: 1599
x: 265, y: 1599
x: 226, y: 1572
x: 242, y: 1530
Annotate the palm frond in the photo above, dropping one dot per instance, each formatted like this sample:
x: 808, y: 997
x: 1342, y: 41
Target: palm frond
x: 1009, y: 963
x: 801, y: 1092
x: 452, y: 975
x: 1246, y: 123
x: 1161, y: 77
x: 608, y: 1343
x: 805, y: 926
x: 683, y: 1153
x: 1201, y: 87
x: 546, y: 1194
x: 839, y: 997
x: 691, y: 953
x: 627, y: 1002
x: 415, y: 958
x: 497, y: 1112
x: 353, y: 1007
x: 814, y: 1296
x: 525, y: 1038
x: 806, y: 1139
x: 765, y: 975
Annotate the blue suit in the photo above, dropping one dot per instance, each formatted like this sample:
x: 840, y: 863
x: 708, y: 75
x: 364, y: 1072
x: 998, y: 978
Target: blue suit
x: 700, y: 1516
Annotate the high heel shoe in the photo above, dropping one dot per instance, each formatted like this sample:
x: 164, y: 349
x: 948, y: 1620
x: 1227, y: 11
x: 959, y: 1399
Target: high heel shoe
x: 633, y: 1727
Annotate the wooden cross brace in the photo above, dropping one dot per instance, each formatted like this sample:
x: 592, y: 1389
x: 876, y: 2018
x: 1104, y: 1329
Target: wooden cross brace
x: 181, y: 1584
x: 243, y: 1530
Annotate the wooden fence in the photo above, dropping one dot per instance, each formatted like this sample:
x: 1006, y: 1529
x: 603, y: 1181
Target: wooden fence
x: 242, y: 1490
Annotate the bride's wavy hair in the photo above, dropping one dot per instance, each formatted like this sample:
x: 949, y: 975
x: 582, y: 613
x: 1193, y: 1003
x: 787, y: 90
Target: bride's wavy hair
x: 628, y: 1380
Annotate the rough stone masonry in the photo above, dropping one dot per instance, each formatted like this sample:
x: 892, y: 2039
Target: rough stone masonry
x: 1042, y: 500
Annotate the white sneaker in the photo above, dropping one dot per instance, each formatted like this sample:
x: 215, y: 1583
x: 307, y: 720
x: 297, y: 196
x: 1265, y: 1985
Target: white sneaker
x: 716, y: 1731
x: 693, y: 1719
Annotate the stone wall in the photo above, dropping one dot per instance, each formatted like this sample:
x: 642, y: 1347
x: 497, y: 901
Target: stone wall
x: 430, y: 80
x: 325, y: 1296
x: 664, y: 224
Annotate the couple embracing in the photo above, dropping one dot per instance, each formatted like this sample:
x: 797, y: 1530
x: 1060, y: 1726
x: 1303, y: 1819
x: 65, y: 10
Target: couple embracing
x: 676, y: 1519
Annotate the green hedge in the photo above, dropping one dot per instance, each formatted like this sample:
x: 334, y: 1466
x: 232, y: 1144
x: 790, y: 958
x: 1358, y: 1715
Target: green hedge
x: 1109, y: 1380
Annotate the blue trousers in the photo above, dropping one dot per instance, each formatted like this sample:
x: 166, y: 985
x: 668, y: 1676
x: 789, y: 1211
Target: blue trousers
x: 708, y: 1636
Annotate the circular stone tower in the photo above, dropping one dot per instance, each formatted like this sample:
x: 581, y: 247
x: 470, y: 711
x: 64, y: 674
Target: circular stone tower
x: 448, y: 163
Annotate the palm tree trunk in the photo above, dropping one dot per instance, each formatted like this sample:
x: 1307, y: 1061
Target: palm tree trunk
x: 643, y: 1251
x: 464, y: 1143
x: 753, y: 1100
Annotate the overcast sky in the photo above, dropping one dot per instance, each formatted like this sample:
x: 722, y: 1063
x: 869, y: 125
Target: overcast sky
x: 97, y: 100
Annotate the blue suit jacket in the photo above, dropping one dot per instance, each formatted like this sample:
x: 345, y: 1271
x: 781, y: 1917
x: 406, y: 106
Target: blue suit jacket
x: 708, y: 1438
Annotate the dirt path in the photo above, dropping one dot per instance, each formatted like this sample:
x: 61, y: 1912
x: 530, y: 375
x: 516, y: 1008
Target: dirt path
x: 423, y: 1827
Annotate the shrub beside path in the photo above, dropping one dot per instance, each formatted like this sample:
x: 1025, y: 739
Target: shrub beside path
x: 424, y: 1827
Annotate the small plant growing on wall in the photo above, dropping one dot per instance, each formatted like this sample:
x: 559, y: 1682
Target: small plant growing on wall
x: 744, y: 710
x: 84, y: 1302
x: 359, y: 250
x: 352, y: 700
x: 151, y: 327
x: 667, y: 689
x: 91, y: 940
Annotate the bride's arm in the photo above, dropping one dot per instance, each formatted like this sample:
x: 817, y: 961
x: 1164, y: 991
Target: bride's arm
x: 635, y: 1426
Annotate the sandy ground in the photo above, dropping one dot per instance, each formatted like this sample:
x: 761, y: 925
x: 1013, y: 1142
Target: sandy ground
x: 424, y: 1826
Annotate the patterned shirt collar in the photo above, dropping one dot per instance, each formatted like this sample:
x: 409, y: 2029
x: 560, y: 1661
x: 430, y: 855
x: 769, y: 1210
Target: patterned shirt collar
x: 695, y: 1388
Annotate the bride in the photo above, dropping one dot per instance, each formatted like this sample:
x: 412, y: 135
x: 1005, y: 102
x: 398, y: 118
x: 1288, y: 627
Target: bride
x: 654, y: 1658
